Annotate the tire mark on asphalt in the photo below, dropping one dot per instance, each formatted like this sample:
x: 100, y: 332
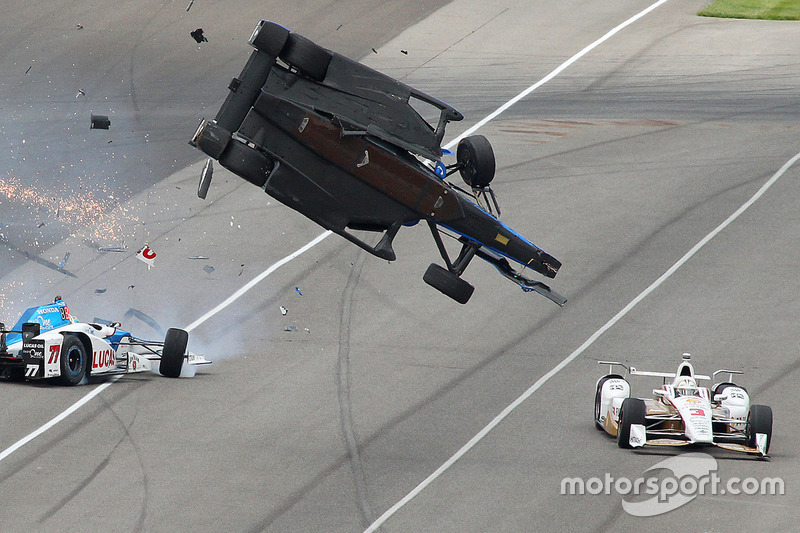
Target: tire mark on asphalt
x: 103, y: 464
x: 82, y: 485
x: 345, y: 404
x: 510, y: 346
x: 137, y: 452
x: 583, y: 347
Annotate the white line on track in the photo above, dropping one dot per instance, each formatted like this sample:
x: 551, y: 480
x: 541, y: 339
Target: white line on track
x: 571, y: 357
x: 256, y: 280
x: 77, y: 405
x: 83, y: 401
x: 558, y: 70
x: 477, y: 438
x: 71, y: 409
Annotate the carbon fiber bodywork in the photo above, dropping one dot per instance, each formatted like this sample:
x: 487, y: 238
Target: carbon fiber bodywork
x: 345, y: 145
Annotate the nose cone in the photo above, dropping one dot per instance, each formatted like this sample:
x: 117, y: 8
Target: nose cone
x: 698, y: 424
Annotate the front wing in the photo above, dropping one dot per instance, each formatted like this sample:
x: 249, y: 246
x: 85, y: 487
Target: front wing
x: 639, y: 437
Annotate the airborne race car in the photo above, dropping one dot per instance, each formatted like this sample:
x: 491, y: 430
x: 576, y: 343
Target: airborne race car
x: 47, y: 342
x: 354, y: 149
x: 681, y: 412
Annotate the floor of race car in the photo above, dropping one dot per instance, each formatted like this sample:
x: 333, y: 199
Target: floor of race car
x: 327, y: 415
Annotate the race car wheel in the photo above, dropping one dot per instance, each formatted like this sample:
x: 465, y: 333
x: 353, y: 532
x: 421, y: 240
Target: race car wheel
x: 759, y: 421
x: 307, y: 57
x: 173, y: 353
x: 476, y: 157
x: 74, y: 361
x: 269, y: 37
x: 598, y: 399
x: 211, y: 138
x: 15, y: 374
x: 246, y: 162
x: 448, y: 283
x: 632, y: 412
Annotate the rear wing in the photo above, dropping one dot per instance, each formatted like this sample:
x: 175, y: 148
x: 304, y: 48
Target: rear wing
x: 665, y: 375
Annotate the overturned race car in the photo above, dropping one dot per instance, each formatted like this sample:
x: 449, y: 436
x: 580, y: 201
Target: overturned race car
x: 48, y: 342
x: 682, y: 413
x: 355, y: 150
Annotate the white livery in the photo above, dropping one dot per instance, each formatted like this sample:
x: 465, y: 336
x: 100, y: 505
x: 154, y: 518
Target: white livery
x: 48, y: 342
x: 681, y: 412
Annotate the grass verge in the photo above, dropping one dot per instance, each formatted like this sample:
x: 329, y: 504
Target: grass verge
x: 754, y: 9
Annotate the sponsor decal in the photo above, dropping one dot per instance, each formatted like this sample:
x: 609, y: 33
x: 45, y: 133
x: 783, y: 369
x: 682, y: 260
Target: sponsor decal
x: 33, y: 349
x: 103, y: 358
x: 147, y: 256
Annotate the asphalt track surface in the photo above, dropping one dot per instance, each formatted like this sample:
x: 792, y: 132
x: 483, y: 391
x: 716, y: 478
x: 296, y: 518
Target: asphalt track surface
x: 618, y: 166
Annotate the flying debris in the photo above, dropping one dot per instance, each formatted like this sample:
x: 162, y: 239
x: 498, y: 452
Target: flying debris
x: 100, y: 122
x: 147, y: 255
x: 205, y: 178
x: 198, y: 36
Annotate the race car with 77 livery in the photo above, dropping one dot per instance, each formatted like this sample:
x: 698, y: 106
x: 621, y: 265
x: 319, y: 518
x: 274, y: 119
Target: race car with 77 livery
x: 47, y: 342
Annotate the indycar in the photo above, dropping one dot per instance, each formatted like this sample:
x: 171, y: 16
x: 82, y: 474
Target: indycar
x: 681, y: 412
x: 47, y: 342
x: 356, y: 150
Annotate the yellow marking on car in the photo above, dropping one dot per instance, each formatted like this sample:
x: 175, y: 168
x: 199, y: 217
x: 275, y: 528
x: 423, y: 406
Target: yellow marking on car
x: 502, y: 239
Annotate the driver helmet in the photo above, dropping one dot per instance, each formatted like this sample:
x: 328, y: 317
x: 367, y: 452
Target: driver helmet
x: 686, y: 386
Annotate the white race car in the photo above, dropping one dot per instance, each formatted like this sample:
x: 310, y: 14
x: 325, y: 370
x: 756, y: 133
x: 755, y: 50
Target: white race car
x: 48, y: 342
x: 681, y: 412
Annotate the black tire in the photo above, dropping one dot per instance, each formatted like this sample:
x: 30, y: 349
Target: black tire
x: 73, y: 361
x: 309, y: 58
x: 632, y: 412
x: 173, y: 353
x: 759, y: 420
x: 212, y: 139
x: 246, y: 162
x: 16, y: 375
x: 448, y: 283
x: 269, y: 37
x: 597, y: 393
x: 476, y: 156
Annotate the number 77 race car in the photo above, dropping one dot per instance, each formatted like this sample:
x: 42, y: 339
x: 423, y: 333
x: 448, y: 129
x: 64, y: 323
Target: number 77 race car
x: 682, y: 413
x: 47, y: 342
